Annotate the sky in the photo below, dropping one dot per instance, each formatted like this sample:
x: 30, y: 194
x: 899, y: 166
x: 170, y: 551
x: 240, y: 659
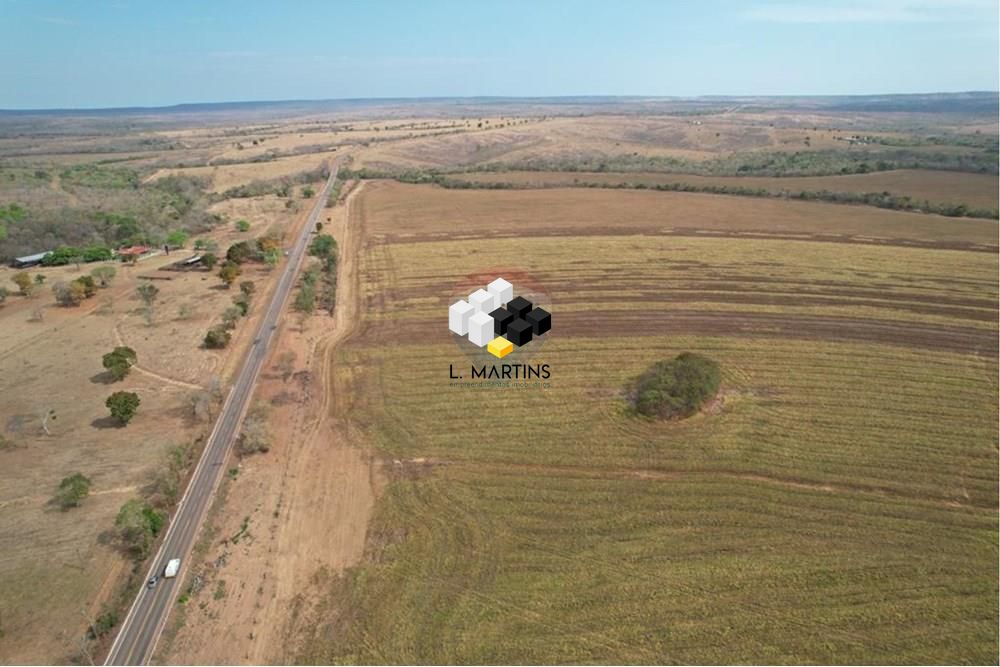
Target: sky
x: 113, y: 53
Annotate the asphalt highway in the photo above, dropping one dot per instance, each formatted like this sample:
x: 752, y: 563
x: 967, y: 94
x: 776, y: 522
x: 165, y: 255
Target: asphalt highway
x: 138, y: 634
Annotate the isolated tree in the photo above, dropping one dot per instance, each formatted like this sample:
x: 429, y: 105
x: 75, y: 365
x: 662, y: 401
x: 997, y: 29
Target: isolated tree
x: 243, y: 225
x: 229, y: 272
x: 323, y: 246
x: 177, y: 238
x: 104, y: 274
x: 308, y: 192
x: 208, y: 260
x: 148, y: 292
x: 88, y: 284
x: 23, y: 282
x: 248, y: 287
x: 200, y: 403
x: 39, y: 278
x: 319, y: 227
x: 240, y: 252
x: 123, y: 405
x: 69, y: 294
x: 255, y: 436
x: 242, y: 302
x: 72, y: 490
x: 216, y: 338
x: 138, y: 523
x: 119, y: 362
x: 230, y: 316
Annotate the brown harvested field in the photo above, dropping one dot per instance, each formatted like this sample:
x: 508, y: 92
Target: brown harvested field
x: 937, y: 187
x: 832, y: 351
x: 562, y: 211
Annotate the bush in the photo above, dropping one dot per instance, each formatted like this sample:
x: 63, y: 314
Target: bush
x: 676, y: 388
x: 119, y: 362
x: 216, y: 338
x: 72, y: 491
x: 69, y: 294
x: 123, y: 405
x: 240, y: 252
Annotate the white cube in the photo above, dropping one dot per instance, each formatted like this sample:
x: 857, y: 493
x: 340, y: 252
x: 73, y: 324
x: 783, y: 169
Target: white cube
x: 483, y: 301
x: 458, y: 317
x: 481, y: 329
x: 502, y: 290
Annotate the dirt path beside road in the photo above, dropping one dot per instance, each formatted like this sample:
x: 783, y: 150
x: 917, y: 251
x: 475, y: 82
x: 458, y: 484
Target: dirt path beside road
x: 290, y: 517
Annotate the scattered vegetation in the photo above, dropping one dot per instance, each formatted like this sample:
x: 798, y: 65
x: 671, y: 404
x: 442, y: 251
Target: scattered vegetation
x: 255, y: 436
x: 119, y: 362
x: 138, y: 524
x: 217, y: 338
x: 123, y: 405
x: 72, y: 490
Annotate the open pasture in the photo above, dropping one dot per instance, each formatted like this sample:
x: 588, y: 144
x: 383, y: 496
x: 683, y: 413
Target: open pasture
x: 837, y: 503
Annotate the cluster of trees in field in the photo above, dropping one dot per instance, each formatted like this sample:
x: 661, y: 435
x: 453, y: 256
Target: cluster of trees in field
x: 676, y: 388
x: 219, y: 335
x: 266, y: 249
x: 319, y: 282
x: 113, y: 208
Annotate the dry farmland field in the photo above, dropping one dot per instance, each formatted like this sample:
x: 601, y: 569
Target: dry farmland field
x: 837, y: 504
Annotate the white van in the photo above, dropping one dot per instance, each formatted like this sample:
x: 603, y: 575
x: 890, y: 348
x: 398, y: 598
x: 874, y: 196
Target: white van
x: 173, y: 565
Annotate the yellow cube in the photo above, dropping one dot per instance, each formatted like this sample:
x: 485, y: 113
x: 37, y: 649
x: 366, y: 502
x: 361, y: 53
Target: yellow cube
x: 500, y: 347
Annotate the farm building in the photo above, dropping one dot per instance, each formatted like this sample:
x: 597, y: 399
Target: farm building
x: 29, y: 260
x: 192, y: 262
x: 134, y: 253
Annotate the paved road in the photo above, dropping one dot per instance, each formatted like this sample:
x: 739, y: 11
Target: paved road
x: 141, y: 630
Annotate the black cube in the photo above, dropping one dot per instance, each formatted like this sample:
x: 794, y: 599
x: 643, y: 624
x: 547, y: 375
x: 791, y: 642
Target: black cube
x: 519, y: 332
x: 540, y: 321
x: 501, y: 318
x: 519, y: 306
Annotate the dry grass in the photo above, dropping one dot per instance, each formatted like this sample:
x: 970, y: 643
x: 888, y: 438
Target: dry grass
x: 938, y: 187
x: 584, y: 212
x: 57, y: 568
x: 839, y: 506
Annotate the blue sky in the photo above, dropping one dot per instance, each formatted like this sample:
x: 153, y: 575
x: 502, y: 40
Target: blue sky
x: 100, y: 53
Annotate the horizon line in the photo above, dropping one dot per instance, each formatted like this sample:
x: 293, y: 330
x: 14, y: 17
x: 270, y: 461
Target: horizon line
x: 473, y: 98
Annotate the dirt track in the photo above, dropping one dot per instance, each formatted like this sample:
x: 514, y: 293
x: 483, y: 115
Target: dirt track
x: 306, y: 502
